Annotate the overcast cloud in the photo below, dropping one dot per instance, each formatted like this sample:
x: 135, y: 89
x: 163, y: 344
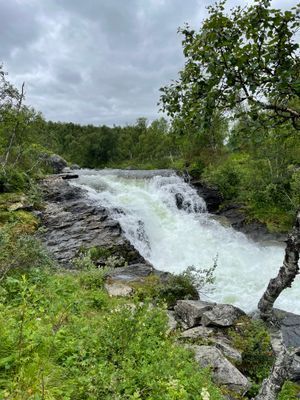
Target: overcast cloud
x: 96, y: 61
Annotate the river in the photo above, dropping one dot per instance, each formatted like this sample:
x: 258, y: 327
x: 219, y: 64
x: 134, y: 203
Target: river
x: 171, y: 239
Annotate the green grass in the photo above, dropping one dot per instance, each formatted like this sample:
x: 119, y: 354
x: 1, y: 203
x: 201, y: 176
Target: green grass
x: 63, y: 337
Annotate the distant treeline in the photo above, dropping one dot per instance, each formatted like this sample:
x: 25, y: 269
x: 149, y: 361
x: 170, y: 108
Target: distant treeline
x: 100, y: 146
x: 255, y: 162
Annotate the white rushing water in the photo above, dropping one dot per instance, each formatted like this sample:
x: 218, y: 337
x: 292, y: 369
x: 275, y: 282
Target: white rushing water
x: 171, y: 239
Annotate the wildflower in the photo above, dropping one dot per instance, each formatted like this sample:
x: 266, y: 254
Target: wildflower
x: 204, y: 394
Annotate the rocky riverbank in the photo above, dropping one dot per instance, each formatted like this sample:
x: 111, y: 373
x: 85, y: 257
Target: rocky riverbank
x: 73, y: 225
x: 234, y: 215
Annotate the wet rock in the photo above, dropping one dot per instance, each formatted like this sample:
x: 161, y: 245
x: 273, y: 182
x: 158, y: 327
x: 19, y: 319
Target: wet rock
x: 290, y: 328
x: 257, y: 231
x: 190, y: 312
x: 222, y: 315
x: 72, y: 224
x: 56, y: 190
x: 118, y: 289
x: 210, y: 194
x: 223, y: 372
x: 179, y: 200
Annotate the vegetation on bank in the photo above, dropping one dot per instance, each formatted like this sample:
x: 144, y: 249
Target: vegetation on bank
x: 63, y: 337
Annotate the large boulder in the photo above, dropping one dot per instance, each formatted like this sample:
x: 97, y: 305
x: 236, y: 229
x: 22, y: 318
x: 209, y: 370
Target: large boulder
x: 56, y: 163
x: 190, y: 312
x: 118, y: 289
x: 222, y: 315
x: 223, y: 372
x: 212, y: 336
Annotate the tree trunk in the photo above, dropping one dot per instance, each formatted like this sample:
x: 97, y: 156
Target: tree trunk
x: 286, y: 275
x: 279, y: 374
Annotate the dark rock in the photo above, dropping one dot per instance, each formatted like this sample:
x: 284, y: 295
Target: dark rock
x: 256, y: 230
x: 55, y: 162
x: 70, y: 176
x: 210, y: 194
x: 290, y: 327
x: 190, y: 312
x: 72, y: 224
x: 222, y: 315
x: 295, y: 369
x: 179, y: 200
x: 56, y: 190
x: 137, y: 273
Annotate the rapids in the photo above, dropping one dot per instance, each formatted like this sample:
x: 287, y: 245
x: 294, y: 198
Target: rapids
x: 171, y: 239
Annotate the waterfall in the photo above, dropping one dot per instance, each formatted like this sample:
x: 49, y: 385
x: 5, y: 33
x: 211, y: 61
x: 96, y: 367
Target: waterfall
x: 167, y: 222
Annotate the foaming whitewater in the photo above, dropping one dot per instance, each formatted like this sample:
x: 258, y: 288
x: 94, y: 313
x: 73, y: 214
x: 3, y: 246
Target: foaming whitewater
x: 146, y: 205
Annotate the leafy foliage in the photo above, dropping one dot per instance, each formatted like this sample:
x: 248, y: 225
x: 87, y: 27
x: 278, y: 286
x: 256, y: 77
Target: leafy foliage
x: 249, y: 56
x: 253, y: 339
x: 20, y: 251
x: 290, y: 391
x: 63, y: 339
x: 173, y: 287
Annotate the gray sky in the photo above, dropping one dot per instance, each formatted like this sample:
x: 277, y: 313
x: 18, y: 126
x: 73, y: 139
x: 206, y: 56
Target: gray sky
x: 97, y: 61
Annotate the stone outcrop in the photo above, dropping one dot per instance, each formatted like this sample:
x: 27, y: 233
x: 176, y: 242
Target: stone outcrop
x: 72, y: 224
x: 198, y: 332
x: 118, y: 289
x: 223, y: 371
x: 190, y: 312
x: 289, y: 327
x: 237, y: 218
x: 222, y: 315
x: 55, y: 162
x: 197, y: 312
x: 136, y: 273
x: 211, y: 195
x: 212, y: 336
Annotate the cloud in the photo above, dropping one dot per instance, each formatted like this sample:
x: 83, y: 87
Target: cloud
x: 96, y: 61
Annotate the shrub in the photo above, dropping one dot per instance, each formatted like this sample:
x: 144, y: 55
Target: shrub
x: 253, y: 339
x: 13, y: 180
x: 289, y: 391
x: 62, y: 340
x: 20, y: 252
x: 183, y: 286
